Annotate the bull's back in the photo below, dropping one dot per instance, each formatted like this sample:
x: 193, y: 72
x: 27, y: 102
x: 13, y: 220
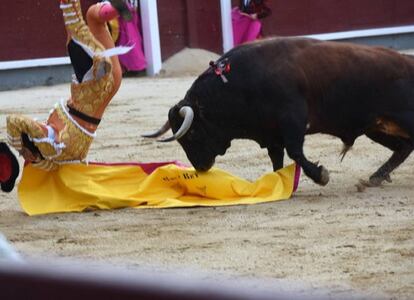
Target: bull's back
x: 357, y: 74
x: 333, y: 77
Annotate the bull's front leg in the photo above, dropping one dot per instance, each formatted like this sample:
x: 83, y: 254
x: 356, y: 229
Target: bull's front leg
x: 318, y: 174
x: 294, y: 135
x: 276, y: 153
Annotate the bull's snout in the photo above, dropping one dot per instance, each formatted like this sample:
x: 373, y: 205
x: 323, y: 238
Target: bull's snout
x: 202, y: 166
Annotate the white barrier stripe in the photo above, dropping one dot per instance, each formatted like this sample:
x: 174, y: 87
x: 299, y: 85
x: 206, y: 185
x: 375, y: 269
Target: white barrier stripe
x: 54, y: 61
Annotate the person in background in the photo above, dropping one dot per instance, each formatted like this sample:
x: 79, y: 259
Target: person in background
x: 246, y: 19
x: 128, y: 32
x: 67, y: 134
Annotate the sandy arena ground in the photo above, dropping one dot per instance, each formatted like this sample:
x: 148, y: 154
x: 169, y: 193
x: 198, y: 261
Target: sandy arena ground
x: 326, y: 237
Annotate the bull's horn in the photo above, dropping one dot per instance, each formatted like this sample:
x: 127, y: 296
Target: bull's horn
x: 159, y: 132
x: 188, y: 114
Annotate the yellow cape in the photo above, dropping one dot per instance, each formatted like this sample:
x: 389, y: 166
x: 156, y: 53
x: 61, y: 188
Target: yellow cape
x: 77, y: 187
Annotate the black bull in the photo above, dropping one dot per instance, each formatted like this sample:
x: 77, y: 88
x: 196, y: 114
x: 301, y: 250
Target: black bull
x: 278, y: 90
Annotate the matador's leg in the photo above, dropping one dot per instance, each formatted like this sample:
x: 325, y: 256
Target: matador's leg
x: 97, y: 86
x: 77, y: 28
x: 97, y: 16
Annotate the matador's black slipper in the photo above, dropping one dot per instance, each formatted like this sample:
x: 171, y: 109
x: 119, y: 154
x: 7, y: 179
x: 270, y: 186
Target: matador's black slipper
x: 9, y: 168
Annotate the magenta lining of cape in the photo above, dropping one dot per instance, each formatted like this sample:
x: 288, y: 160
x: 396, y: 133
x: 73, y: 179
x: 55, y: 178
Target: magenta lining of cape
x: 244, y: 28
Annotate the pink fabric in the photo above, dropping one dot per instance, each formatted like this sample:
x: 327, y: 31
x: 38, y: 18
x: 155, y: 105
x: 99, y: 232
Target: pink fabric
x: 244, y: 28
x: 297, y: 177
x: 146, y: 167
x: 129, y: 34
x: 107, y: 12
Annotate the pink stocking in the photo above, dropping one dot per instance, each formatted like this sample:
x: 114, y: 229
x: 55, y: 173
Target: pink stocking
x: 107, y: 12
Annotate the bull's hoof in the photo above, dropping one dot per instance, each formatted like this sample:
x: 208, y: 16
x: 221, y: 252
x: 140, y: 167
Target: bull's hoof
x: 324, y: 176
x: 374, y: 181
x: 378, y: 180
x: 370, y: 182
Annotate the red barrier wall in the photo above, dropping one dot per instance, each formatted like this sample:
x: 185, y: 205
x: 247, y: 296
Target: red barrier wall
x: 189, y: 23
x: 34, y: 29
x: 297, y: 17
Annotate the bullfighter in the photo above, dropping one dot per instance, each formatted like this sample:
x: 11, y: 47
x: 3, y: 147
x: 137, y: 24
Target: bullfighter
x: 67, y: 134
